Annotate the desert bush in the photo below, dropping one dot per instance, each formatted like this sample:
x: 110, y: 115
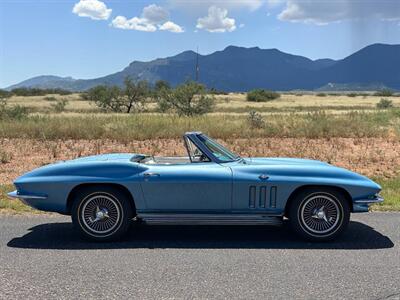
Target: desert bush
x: 189, y: 99
x: 260, y: 95
x: 255, y: 119
x: 214, y: 91
x: 16, y: 112
x: 50, y: 98
x: 384, y: 93
x: 384, y: 104
x: 321, y: 95
x: 38, y: 92
x: 352, y: 95
x: 130, y: 98
x: 60, y: 105
x: 4, y: 94
x: 84, y: 96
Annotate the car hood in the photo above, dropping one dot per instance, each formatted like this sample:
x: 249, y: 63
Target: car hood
x: 301, y: 169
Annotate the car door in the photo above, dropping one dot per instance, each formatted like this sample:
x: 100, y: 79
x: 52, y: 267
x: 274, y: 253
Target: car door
x: 192, y: 187
x: 253, y: 189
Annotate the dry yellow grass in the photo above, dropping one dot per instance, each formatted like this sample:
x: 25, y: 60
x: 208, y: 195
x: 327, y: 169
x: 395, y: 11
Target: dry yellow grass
x: 306, y: 100
x: 234, y: 103
x: 43, y: 103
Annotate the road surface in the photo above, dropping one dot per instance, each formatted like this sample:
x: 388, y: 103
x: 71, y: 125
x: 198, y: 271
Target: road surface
x: 41, y: 257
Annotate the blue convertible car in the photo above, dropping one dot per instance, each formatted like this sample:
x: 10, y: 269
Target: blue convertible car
x: 104, y: 193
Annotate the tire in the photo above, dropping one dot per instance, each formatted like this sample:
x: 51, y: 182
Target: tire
x: 101, y: 213
x: 319, y: 215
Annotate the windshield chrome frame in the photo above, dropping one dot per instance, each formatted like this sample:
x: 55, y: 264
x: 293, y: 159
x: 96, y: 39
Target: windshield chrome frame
x: 194, y: 137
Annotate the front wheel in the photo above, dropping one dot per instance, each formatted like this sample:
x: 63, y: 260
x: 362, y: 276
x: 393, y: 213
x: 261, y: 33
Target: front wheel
x: 101, y: 213
x: 319, y: 215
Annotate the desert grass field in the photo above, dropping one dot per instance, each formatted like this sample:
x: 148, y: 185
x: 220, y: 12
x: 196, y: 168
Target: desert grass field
x: 230, y: 103
x: 345, y: 131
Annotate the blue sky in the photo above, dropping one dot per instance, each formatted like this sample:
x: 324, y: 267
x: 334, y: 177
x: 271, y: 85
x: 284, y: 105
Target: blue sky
x: 91, y: 38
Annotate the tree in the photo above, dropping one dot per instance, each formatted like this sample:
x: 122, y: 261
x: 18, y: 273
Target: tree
x: 131, y: 98
x: 135, y: 94
x: 188, y: 99
x: 161, y: 84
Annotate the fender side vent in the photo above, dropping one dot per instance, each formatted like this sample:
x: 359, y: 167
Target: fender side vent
x: 272, y: 199
x: 263, y: 196
x: 252, y: 196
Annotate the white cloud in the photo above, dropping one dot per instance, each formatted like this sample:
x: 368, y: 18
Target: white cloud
x: 151, y: 18
x: 171, y: 26
x: 155, y: 14
x: 94, y: 9
x: 203, y: 5
x: 216, y: 21
x: 133, y: 24
x: 322, y: 12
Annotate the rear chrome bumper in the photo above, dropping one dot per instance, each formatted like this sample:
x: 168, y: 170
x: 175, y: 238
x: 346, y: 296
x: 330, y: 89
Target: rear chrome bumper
x: 362, y: 205
x: 26, y: 196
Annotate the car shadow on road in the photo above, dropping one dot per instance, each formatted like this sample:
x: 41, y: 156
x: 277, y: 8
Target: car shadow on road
x: 61, y: 236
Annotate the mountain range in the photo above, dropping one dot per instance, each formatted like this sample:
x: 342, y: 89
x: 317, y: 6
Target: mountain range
x: 242, y: 69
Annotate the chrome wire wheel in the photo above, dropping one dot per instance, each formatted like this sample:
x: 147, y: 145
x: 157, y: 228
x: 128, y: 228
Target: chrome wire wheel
x: 320, y: 214
x: 100, y: 214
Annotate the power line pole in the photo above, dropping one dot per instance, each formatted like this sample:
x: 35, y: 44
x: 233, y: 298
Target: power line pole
x: 197, y: 64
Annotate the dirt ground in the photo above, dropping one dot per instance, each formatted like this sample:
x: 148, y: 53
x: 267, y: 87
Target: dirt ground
x: 377, y: 157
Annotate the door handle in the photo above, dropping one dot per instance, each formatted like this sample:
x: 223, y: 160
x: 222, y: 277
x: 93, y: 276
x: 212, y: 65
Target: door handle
x: 263, y: 176
x: 151, y: 175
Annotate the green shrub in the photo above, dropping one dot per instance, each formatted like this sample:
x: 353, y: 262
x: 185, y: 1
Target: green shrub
x: 4, y: 94
x: 214, y: 91
x: 60, y: 105
x: 384, y: 104
x: 84, y: 96
x: 321, y: 95
x: 384, y: 93
x: 260, y: 95
x: 14, y: 112
x: 50, y: 98
x: 38, y: 92
x: 255, y: 120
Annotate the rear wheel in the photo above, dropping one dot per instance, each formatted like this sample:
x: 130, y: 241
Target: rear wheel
x: 319, y: 215
x: 101, y: 213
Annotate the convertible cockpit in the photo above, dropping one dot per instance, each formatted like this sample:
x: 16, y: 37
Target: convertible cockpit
x: 200, y: 148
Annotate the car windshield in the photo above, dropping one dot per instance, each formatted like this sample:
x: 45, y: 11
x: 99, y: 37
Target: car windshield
x: 217, y: 149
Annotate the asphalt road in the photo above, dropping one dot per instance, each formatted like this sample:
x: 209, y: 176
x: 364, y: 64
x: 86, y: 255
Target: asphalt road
x: 41, y: 257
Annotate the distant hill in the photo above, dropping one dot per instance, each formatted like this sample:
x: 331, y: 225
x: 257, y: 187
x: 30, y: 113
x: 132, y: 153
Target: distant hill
x: 242, y: 69
x: 44, y: 82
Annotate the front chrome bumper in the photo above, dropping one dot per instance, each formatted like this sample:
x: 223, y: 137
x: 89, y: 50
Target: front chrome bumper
x: 362, y: 205
x: 26, y: 196
x: 376, y: 199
